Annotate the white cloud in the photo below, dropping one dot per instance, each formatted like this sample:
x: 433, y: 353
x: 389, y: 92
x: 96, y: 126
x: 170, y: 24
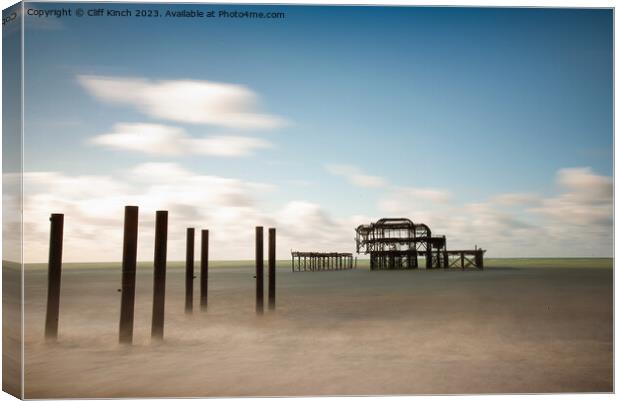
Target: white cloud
x: 159, y: 172
x: 586, y: 201
x: 152, y: 139
x: 163, y: 140
x: 230, y: 208
x: 227, y: 146
x: 307, y: 226
x: 516, y: 199
x: 583, y: 182
x: 355, y: 176
x: 576, y: 222
x: 184, y: 101
x: 11, y: 217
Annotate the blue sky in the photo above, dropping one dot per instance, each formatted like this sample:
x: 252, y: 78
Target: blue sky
x: 472, y: 103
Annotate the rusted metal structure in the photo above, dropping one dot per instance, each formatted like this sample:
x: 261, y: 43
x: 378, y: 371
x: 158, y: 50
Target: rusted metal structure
x: 397, y: 243
x: 318, y: 261
x: 465, y: 258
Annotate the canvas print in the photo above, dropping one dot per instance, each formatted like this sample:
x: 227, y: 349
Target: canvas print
x: 222, y: 200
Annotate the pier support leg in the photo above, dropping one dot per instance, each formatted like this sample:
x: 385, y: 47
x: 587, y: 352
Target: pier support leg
x: 204, y: 269
x: 54, y: 268
x: 259, y: 270
x: 128, y: 279
x: 189, y: 271
x: 272, y: 268
x: 159, y: 274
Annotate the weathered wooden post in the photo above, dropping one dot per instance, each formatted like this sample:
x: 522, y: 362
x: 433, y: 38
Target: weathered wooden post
x: 54, y: 268
x: 259, y: 270
x: 480, y: 259
x: 159, y: 274
x: 128, y: 279
x: 272, y: 268
x: 204, y: 269
x: 189, y: 271
x: 429, y: 256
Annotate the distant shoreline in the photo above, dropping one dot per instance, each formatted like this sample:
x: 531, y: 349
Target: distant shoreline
x: 362, y: 263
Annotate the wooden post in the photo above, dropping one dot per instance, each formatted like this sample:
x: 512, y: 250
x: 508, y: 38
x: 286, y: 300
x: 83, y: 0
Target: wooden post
x: 159, y: 274
x: 259, y: 270
x: 272, y: 268
x: 204, y: 269
x: 54, y: 268
x: 429, y: 257
x: 128, y: 279
x: 189, y: 271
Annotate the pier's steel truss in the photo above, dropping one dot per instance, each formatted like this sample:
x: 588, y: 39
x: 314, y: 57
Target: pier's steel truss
x: 316, y: 261
x: 397, y: 243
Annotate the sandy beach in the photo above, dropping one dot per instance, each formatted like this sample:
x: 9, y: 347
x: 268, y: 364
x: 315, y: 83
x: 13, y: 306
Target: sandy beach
x: 507, y: 329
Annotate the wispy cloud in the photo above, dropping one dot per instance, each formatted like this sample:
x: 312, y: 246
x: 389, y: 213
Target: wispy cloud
x: 517, y: 199
x: 575, y: 222
x: 586, y: 201
x: 230, y: 208
x: 163, y: 140
x: 355, y: 176
x: 185, y: 101
x: 399, y: 196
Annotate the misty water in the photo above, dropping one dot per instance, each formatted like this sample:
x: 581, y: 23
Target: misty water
x: 503, y: 329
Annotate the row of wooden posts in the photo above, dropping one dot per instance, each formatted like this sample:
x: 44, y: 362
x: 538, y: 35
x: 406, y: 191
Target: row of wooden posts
x: 128, y: 287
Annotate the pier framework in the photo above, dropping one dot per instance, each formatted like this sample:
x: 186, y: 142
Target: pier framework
x: 316, y: 261
x: 397, y: 243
